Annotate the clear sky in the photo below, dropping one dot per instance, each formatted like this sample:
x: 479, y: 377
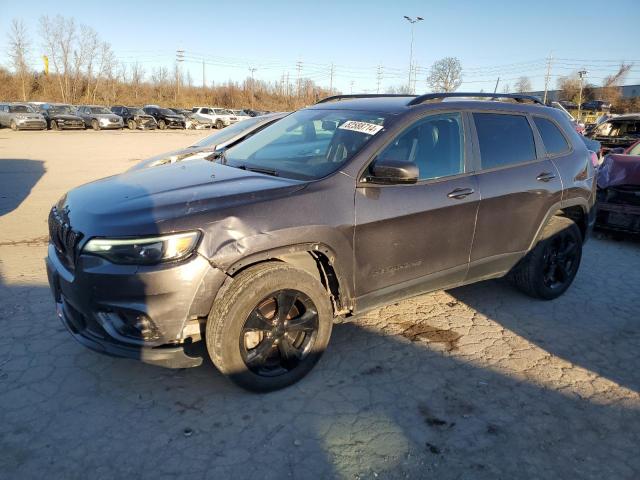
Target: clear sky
x: 491, y: 38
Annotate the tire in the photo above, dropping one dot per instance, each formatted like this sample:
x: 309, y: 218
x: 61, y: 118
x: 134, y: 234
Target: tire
x: 548, y: 270
x: 54, y: 125
x: 14, y: 126
x: 131, y: 124
x: 219, y: 124
x: 95, y: 125
x: 226, y: 330
x: 162, y: 125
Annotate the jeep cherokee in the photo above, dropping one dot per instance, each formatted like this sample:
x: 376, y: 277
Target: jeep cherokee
x: 333, y: 210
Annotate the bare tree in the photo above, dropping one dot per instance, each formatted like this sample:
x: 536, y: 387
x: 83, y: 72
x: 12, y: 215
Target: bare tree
x: 137, y: 77
x: 58, y: 36
x: 19, y: 48
x: 569, y: 87
x: 611, y: 85
x: 523, y: 85
x: 445, y: 75
x: 506, y: 88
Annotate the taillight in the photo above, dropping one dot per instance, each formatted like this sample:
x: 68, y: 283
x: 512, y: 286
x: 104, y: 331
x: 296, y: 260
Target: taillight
x: 594, y: 159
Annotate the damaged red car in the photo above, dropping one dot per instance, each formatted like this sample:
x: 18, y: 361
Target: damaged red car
x: 619, y: 190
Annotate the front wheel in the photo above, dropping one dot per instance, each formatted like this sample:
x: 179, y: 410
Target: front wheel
x: 162, y: 125
x: 95, y: 125
x: 270, y: 327
x: 131, y: 124
x: 14, y: 126
x: 549, y: 269
x: 54, y: 125
x: 219, y: 125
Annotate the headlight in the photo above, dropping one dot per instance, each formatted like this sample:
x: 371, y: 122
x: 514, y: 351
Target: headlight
x: 145, y: 250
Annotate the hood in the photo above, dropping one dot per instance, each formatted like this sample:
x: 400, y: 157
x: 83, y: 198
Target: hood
x: 106, y: 115
x: 163, y: 199
x: 27, y: 115
x: 189, y: 153
x: 64, y: 116
x: 619, y: 170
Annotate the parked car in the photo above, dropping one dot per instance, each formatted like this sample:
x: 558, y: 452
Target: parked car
x: 209, y: 146
x: 598, y: 105
x: 21, y: 116
x: 619, y: 190
x: 240, y: 115
x: 322, y: 214
x: 135, y: 118
x: 165, y: 117
x: 60, y: 116
x: 99, y: 117
x: 217, y: 117
x: 568, y: 105
x: 618, y: 132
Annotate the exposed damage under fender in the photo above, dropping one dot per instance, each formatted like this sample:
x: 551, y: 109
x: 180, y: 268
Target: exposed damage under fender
x: 619, y: 194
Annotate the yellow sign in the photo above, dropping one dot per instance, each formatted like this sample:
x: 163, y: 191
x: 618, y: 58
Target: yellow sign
x: 45, y: 59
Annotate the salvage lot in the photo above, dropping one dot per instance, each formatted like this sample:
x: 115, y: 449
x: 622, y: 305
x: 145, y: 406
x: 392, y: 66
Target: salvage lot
x: 475, y: 382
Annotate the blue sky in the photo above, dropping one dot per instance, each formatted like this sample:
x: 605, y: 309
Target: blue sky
x: 491, y: 38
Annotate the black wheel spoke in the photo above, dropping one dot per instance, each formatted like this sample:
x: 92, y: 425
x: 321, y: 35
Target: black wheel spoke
x: 259, y: 355
x: 288, y: 352
x: 257, y: 322
x: 285, y: 301
x: 306, y: 322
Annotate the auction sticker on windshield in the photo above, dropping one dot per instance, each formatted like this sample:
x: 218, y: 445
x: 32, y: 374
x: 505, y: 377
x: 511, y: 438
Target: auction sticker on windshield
x: 362, y: 127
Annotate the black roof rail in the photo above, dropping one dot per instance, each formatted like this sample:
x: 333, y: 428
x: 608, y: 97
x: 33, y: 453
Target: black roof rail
x: 438, y: 96
x: 337, y: 98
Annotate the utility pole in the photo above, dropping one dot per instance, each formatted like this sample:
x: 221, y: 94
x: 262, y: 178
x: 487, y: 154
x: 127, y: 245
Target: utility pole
x: 497, y: 83
x: 179, y: 60
x: 331, y: 71
x: 412, y: 21
x: 252, y: 70
x: 299, y: 69
x: 546, y: 78
x: 351, y: 84
x: 204, y: 82
x: 581, y: 74
x: 379, y: 78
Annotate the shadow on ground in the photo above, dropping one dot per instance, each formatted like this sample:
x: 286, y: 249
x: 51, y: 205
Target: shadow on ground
x: 17, y: 178
x: 376, y: 405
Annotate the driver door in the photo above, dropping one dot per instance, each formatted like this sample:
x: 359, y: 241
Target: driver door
x: 415, y: 237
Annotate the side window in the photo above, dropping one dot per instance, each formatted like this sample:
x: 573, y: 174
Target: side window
x: 504, y: 139
x: 435, y: 144
x: 552, y: 137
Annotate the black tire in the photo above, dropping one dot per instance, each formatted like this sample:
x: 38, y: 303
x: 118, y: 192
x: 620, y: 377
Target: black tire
x: 230, y: 316
x: 131, y: 124
x: 54, y: 125
x: 95, y: 125
x: 548, y: 270
x: 162, y: 125
x: 219, y: 124
x: 14, y: 126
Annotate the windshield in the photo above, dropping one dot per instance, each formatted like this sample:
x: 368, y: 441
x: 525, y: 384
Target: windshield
x: 228, y: 133
x: 619, y: 128
x: 635, y: 150
x: 308, y: 144
x: 166, y: 111
x: 136, y: 111
x: 20, y: 109
x: 99, y: 110
x: 62, y: 109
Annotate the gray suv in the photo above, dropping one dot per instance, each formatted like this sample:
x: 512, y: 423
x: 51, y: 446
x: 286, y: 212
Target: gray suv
x: 333, y: 210
x: 21, y: 116
x: 99, y: 118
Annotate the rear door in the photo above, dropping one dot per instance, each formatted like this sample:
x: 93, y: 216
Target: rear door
x: 519, y: 184
x: 412, y: 238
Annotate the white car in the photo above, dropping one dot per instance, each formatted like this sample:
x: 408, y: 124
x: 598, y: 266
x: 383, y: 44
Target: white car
x: 240, y: 115
x: 217, y: 117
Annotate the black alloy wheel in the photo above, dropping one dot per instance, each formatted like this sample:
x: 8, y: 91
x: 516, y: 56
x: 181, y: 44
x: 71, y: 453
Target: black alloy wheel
x: 279, y: 333
x: 560, y: 260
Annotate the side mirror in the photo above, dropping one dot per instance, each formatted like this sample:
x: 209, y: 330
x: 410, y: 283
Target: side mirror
x: 391, y: 172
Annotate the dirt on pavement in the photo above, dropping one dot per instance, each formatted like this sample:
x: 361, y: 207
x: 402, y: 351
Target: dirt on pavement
x: 476, y: 382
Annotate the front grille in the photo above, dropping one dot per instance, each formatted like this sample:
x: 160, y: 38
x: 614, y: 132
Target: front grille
x: 113, y: 120
x: 63, y: 238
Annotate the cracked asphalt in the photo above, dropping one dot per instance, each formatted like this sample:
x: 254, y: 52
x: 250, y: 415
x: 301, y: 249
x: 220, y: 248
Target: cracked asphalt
x: 475, y: 382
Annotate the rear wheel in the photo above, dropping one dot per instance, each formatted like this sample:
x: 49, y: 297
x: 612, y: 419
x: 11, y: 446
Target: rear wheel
x: 95, y: 125
x: 54, y: 125
x: 14, y: 126
x: 549, y: 269
x: 131, y: 124
x: 270, y: 327
x: 162, y: 125
x: 219, y: 124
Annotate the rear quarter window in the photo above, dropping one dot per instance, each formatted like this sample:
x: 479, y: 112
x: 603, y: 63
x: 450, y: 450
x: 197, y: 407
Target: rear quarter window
x: 504, y: 139
x: 554, y: 141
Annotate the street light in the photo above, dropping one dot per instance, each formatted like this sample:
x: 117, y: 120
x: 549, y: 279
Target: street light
x: 412, y: 21
x: 581, y: 74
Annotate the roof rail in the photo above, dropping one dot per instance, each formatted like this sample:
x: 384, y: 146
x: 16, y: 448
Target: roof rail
x: 438, y: 96
x: 337, y: 98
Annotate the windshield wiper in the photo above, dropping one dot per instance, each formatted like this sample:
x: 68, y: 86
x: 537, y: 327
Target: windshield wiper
x: 266, y: 171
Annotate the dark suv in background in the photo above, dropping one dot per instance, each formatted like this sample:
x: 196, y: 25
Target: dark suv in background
x: 333, y: 210
x: 165, y: 117
x: 134, y: 117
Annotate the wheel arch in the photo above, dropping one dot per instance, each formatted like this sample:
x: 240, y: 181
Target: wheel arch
x: 577, y: 209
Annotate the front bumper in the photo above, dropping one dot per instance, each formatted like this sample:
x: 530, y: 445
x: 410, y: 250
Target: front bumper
x: 29, y: 124
x: 71, y: 124
x: 92, y: 300
x: 111, y: 125
x: 175, y: 123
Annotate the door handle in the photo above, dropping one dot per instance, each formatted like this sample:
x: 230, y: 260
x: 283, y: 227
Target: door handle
x: 545, y: 177
x: 460, y: 193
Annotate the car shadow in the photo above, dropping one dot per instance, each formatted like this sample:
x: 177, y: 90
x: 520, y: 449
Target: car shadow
x: 18, y: 176
x: 380, y: 404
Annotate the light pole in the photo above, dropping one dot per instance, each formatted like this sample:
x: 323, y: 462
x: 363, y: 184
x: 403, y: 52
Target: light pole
x: 252, y: 70
x: 581, y: 74
x: 412, y: 21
